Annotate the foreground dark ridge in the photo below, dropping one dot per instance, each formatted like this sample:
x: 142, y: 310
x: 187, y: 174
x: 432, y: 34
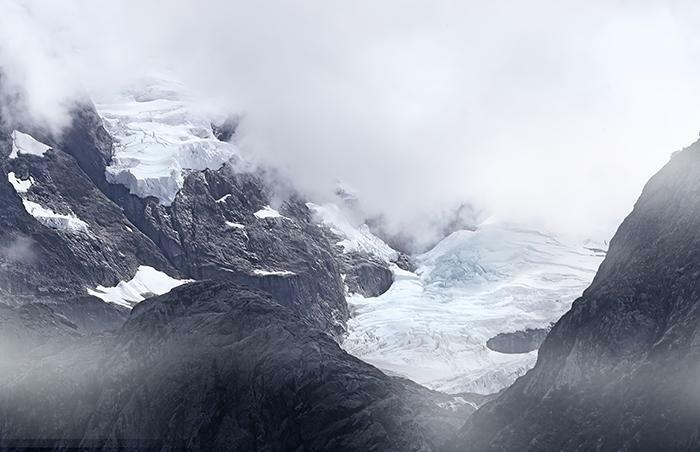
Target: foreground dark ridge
x: 621, y: 370
x: 211, y: 366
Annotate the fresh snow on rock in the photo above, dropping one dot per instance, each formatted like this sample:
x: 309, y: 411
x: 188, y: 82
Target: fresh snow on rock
x: 158, y: 133
x: 47, y: 217
x: 432, y: 326
x: 51, y: 219
x: 20, y: 186
x: 231, y: 224
x: 223, y: 198
x: 147, y: 282
x: 26, y: 144
x: 268, y: 212
x: 273, y: 272
x: 354, y: 237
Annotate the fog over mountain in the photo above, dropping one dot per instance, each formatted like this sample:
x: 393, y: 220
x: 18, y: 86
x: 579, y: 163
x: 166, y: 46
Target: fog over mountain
x: 553, y: 113
x: 349, y: 226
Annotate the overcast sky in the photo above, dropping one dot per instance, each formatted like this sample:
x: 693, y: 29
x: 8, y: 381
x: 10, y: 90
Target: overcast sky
x: 552, y: 113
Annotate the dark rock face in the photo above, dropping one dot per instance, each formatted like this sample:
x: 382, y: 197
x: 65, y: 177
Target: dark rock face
x: 405, y: 262
x: 37, y: 261
x: 366, y: 275
x: 620, y: 370
x: 211, y: 231
x: 225, y: 130
x: 217, y: 366
x: 523, y: 341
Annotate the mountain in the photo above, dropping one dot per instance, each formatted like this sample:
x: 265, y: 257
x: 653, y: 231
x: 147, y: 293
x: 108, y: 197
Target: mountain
x: 244, y: 358
x: 619, y: 371
x: 159, y: 291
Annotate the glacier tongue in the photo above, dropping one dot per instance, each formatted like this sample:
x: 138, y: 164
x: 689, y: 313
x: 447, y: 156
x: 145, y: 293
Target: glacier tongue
x: 158, y: 133
x: 432, y: 326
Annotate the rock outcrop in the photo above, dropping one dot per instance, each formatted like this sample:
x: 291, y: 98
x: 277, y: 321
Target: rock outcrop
x: 522, y: 341
x: 620, y: 370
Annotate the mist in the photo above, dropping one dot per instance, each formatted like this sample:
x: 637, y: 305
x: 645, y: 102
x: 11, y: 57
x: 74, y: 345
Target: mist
x: 549, y: 113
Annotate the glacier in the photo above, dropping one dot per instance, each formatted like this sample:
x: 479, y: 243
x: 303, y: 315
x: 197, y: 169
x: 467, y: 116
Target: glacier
x: 159, y: 133
x: 432, y: 325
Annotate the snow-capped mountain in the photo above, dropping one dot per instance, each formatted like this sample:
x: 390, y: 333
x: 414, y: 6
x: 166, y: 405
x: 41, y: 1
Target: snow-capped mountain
x: 144, y: 194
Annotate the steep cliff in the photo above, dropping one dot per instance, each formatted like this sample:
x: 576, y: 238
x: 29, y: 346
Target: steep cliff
x: 620, y: 370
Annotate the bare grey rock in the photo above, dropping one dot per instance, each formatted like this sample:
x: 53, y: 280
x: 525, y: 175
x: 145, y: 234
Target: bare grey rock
x: 523, y: 341
x: 620, y: 370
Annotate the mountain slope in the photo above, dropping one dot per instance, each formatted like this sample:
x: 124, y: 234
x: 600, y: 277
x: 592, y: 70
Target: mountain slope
x: 214, y: 366
x: 620, y: 370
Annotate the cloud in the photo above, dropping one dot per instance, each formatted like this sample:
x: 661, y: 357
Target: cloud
x: 545, y: 112
x: 19, y: 249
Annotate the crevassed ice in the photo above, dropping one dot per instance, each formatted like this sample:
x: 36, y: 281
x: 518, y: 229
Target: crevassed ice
x: 432, y: 325
x: 146, y: 282
x: 354, y: 238
x: 158, y: 133
x: 23, y: 143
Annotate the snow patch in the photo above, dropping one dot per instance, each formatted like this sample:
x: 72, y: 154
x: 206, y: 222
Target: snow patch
x: 223, y: 198
x: 273, y: 272
x: 45, y: 216
x: 20, y: 186
x: 146, y: 282
x: 269, y: 212
x: 51, y: 219
x: 158, y: 134
x: 26, y: 144
x: 232, y: 225
x: 354, y: 237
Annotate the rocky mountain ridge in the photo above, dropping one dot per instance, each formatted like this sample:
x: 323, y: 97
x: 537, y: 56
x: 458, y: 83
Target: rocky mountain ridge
x: 619, y: 370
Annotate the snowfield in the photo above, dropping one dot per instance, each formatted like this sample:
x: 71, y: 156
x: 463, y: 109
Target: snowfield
x: 354, y: 237
x: 432, y: 325
x: 269, y: 212
x: 51, y: 219
x: 146, y: 282
x: 20, y: 186
x: 158, y: 134
x: 26, y: 144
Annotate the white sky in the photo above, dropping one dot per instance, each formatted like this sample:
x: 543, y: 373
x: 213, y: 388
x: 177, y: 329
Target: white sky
x: 554, y: 113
